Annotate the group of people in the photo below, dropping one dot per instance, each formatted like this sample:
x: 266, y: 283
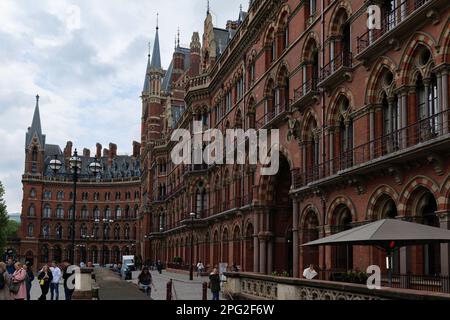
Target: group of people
x: 16, y: 280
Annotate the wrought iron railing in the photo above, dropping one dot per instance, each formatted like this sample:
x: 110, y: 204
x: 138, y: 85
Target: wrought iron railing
x: 422, y: 131
x: 308, y: 86
x: 389, y: 22
x: 343, y: 59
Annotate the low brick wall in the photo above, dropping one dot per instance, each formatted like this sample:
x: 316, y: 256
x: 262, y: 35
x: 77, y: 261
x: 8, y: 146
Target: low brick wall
x: 256, y: 286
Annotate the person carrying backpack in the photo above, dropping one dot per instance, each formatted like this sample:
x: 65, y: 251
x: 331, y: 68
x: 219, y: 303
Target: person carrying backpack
x: 4, y: 283
x: 29, y: 279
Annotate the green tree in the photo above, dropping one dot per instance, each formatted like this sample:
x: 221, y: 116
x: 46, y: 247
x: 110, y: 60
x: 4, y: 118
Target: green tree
x: 4, y: 219
x: 12, y: 228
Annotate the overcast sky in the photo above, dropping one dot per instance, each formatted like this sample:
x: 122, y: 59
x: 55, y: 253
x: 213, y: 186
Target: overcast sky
x: 87, y: 60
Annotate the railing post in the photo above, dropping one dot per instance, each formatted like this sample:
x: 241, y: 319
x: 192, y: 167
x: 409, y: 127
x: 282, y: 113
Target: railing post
x: 169, y: 290
x: 205, y: 291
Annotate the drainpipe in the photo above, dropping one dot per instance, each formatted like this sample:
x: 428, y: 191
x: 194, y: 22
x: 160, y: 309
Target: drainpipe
x: 322, y: 39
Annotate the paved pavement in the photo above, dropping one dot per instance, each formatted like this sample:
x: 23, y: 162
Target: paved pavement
x: 183, y: 288
x: 36, y: 291
x: 114, y: 288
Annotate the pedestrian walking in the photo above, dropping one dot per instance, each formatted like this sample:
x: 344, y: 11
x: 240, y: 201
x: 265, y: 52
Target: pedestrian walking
x: 29, y: 279
x: 145, y: 281
x: 214, y: 283
x: 200, y: 268
x: 54, y: 284
x: 17, y: 286
x: 45, y: 277
x: 69, y: 281
x: 159, y: 266
x: 4, y: 283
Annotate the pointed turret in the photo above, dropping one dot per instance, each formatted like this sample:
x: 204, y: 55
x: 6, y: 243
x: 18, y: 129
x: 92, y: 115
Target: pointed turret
x: 156, y: 56
x: 147, y: 74
x: 35, y: 130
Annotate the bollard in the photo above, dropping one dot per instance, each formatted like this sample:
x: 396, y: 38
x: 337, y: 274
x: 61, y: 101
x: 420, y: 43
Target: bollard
x: 205, y: 291
x: 169, y: 290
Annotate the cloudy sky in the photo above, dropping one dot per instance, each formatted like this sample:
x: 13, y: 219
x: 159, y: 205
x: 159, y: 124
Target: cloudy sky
x: 86, y: 59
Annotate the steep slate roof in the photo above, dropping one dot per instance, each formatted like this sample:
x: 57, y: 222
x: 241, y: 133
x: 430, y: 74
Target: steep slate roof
x: 35, y: 128
x: 121, y: 166
x: 147, y: 80
x: 156, y: 56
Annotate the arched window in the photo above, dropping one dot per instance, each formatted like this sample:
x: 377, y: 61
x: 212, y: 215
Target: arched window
x: 44, y: 254
x: 60, y: 212
x: 45, y: 231
x: 108, y: 213
x: 34, y: 158
x: 127, y: 232
x: 71, y: 213
x: 96, y: 213
x: 117, y: 232
x: 59, y: 232
x: 345, y: 134
x: 47, y: 211
x: 84, y: 213
x: 32, y: 211
x: 118, y: 213
x: 201, y: 201
x: 30, y: 230
x: 33, y: 193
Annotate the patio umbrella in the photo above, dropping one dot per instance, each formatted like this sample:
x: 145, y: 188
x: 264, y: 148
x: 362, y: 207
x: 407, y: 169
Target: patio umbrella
x: 388, y: 234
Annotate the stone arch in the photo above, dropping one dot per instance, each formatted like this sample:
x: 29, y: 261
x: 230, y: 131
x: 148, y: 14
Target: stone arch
x: 383, y: 64
x: 381, y: 191
x: 266, y: 185
x: 311, y: 40
x: 309, y: 119
x: 339, y: 200
x: 342, y: 11
x: 283, y: 16
x: 411, y: 186
x: 303, y: 215
x: 444, y: 43
x: 333, y: 112
x: 407, y: 60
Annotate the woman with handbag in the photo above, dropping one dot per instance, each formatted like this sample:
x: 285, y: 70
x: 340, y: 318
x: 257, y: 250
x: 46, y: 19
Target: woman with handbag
x: 17, y: 287
x: 45, y: 277
x: 4, y: 283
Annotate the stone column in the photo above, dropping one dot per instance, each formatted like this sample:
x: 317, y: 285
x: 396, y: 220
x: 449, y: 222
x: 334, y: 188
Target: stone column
x: 331, y: 148
x: 404, y: 114
x: 295, y: 245
x: 444, y: 99
x: 256, y: 245
x: 444, y: 219
x: 270, y: 244
x: 262, y: 254
x: 372, y: 132
x: 426, y: 84
x: 83, y: 284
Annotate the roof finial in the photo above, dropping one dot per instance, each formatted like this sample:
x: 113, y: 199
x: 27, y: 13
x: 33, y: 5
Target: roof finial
x: 240, y: 7
x: 149, y: 48
x: 37, y: 99
x: 178, y: 37
x: 207, y: 9
x: 157, y: 21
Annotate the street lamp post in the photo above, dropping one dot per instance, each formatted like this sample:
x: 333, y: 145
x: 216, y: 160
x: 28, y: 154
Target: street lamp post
x: 75, y: 167
x: 191, y: 268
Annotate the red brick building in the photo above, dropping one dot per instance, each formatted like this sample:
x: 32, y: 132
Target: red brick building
x: 107, y: 204
x: 363, y: 119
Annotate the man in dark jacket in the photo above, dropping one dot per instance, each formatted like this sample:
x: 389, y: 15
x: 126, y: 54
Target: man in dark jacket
x: 214, y: 283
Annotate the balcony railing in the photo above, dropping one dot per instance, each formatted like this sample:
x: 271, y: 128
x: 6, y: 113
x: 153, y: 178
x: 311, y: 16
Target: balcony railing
x: 341, y: 60
x: 431, y: 283
x: 423, y: 131
x: 271, y: 116
x: 389, y: 22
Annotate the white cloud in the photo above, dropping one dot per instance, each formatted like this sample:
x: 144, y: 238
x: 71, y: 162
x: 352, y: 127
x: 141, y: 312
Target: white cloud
x: 87, y: 61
